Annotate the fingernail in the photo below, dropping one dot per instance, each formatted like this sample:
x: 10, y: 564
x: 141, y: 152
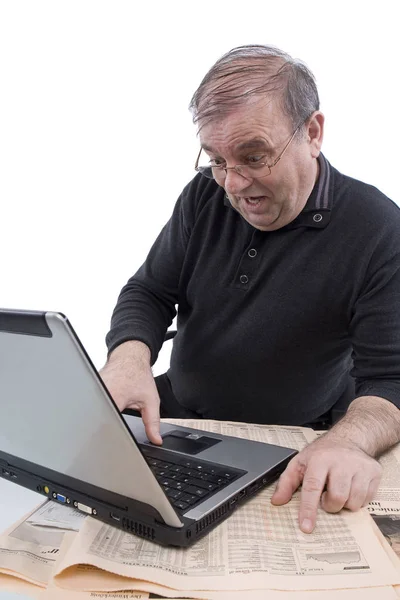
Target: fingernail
x: 306, y: 526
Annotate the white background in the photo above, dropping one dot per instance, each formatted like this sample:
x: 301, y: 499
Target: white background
x: 96, y: 141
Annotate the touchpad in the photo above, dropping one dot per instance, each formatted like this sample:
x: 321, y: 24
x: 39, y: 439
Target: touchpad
x: 189, y: 443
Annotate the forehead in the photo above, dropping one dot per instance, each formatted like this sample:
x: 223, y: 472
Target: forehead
x: 259, y: 123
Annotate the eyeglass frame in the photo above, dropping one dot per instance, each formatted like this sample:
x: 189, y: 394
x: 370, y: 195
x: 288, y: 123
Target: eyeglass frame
x: 235, y: 167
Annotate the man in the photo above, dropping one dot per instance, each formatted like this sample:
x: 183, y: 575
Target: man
x: 286, y: 274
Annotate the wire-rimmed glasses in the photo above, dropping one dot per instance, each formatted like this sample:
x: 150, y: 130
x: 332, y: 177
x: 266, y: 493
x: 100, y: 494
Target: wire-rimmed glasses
x: 254, y: 170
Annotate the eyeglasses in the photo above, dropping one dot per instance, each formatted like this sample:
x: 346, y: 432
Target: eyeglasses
x: 254, y: 170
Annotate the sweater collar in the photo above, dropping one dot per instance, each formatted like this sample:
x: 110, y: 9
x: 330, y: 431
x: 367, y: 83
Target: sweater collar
x: 317, y: 211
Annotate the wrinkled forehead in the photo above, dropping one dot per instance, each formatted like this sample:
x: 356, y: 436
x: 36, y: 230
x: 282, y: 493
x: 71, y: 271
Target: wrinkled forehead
x: 256, y: 119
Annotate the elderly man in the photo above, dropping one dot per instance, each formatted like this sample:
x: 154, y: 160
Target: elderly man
x: 286, y: 275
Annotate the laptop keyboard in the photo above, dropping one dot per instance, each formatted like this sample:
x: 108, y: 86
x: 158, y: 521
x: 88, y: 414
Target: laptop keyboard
x: 188, y: 481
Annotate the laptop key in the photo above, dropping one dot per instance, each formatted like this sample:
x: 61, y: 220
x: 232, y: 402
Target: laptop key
x: 184, y: 479
x: 161, y: 472
x: 201, y: 484
x: 189, y: 498
x: 177, y: 485
x: 212, y: 486
x: 175, y: 494
x: 181, y: 505
x: 226, y: 475
x: 191, y: 489
x: 176, y: 469
x: 164, y: 465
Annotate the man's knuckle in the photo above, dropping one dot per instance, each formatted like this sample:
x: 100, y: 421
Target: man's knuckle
x: 337, y: 497
x: 354, y: 504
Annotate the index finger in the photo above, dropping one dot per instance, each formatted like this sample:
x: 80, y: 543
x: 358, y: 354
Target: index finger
x: 151, y: 420
x: 310, y: 496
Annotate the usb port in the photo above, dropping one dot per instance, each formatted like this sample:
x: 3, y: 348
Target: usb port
x: 115, y: 517
x: 61, y: 498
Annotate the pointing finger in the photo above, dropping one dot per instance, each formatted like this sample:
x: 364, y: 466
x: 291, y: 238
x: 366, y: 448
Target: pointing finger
x: 151, y: 419
x: 312, y: 488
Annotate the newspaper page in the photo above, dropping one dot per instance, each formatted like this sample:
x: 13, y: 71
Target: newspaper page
x: 385, y: 508
x: 57, y: 516
x: 30, y: 552
x: 29, y: 549
x: 387, y: 500
x: 258, y: 547
x: 53, y: 592
x: 23, y: 561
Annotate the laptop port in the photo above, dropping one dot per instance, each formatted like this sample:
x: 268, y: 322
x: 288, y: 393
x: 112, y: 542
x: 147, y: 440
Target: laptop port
x: 84, y: 508
x: 61, y: 498
x: 253, y: 488
x: 115, y: 517
x: 233, y: 500
x: 242, y: 493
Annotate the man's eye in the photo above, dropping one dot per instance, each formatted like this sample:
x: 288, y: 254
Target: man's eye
x: 216, y: 162
x: 255, y: 159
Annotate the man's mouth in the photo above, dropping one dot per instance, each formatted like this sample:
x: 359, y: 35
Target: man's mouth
x: 253, y: 200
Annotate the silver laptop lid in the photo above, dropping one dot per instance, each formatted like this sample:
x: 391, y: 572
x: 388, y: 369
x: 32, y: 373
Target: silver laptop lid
x: 56, y: 413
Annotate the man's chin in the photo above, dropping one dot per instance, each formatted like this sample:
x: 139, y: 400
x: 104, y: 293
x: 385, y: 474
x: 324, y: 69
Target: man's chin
x: 263, y: 222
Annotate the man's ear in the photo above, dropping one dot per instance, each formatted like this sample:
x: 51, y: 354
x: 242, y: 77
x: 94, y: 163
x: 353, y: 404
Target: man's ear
x: 315, y: 132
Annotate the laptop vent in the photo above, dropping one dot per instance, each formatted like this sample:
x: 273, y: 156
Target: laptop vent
x: 138, y: 528
x: 213, y: 517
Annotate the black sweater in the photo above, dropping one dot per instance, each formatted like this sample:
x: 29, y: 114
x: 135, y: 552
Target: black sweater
x: 271, y: 323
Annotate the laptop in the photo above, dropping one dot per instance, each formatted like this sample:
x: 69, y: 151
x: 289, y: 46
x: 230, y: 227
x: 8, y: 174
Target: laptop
x: 62, y: 435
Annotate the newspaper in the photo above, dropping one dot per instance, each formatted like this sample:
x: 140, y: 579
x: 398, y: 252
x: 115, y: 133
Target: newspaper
x: 30, y: 549
x: 30, y: 552
x: 385, y: 508
x: 57, y: 516
x: 259, y: 547
x: 387, y: 499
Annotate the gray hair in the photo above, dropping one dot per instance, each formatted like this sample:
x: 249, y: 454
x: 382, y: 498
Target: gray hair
x: 255, y: 71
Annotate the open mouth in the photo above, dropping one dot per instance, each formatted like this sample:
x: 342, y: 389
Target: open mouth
x: 253, y: 200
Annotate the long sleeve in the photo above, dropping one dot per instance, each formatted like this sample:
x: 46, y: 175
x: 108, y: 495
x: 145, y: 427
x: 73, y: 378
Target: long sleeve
x: 146, y: 304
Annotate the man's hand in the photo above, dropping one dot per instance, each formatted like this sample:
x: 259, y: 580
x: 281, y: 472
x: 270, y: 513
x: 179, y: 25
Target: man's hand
x: 333, y: 471
x: 128, y: 377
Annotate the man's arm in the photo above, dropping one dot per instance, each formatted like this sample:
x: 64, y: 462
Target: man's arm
x: 128, y: 377
x: 339, y: 469
x: 144, y: 311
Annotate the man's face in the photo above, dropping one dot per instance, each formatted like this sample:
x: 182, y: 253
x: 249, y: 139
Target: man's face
x: 262, y: 130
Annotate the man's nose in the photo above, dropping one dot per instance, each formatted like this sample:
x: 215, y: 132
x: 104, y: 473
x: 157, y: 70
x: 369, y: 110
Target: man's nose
x: 235, y: 183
